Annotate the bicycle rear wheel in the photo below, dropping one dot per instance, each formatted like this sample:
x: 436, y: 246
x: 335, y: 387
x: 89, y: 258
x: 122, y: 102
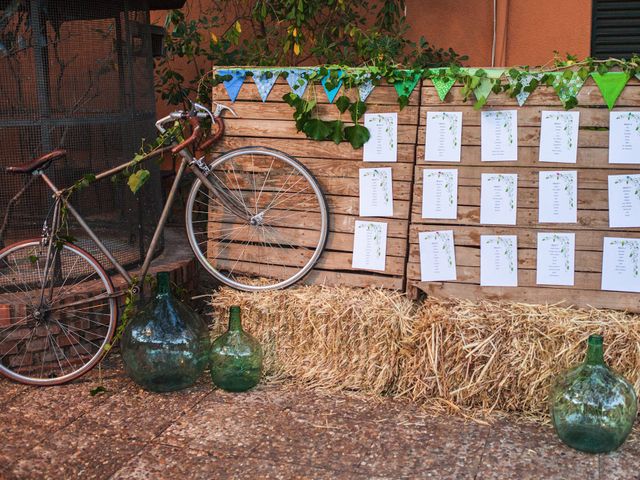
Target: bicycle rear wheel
x: 54, y: 334
x: 281, y: 231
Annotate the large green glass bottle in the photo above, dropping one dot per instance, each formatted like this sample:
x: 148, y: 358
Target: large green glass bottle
x: 236, y: 357
x: 165, y: 346
x: 592, y: 407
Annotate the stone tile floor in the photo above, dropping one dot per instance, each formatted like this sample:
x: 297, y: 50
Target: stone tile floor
x: 274, y: 431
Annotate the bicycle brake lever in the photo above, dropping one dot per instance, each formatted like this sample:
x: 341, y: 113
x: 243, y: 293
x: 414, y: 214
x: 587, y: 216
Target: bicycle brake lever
x: 220, y: 108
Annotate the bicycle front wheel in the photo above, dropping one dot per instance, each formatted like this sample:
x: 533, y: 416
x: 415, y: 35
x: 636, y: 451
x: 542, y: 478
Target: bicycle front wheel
x: 54, y: 326
x: 276, y: 229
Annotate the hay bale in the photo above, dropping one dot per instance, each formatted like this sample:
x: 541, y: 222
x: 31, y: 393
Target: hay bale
x: 473, y: 358
x: 486, y: 356
x: 331, y: 338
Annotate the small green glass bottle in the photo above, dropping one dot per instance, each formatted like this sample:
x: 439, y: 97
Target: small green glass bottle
x: 236, y: 357
x: 592, y: 407
x: 165, y: 346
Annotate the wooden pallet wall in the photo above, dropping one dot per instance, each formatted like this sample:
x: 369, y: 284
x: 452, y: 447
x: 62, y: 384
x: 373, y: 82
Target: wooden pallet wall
x: 336, y: 167
x: 592, y: 167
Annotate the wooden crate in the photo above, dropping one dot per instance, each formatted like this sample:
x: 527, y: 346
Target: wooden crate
x: 592, y: 167
x: 336, y: 167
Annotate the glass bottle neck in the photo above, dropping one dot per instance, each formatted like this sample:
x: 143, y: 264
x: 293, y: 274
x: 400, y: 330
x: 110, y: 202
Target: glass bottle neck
x: 595, y: 351
x: 234, y: 319
x: 164, y: 287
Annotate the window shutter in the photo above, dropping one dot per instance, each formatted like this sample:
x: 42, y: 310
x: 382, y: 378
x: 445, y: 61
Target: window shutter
x: 615, y: 28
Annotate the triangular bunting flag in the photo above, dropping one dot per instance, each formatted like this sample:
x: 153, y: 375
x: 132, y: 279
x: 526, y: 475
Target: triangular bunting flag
x: 611, y: 85
x: 406, y: 86
x: 486, y: 83
x: 331, y: 94
x: 365, y: 88
x: 264, y: 80
x: 296, y: 78
x: 567, y: 88
x: 234, y: 85
x: 443, y: 85
x: 525, y: 80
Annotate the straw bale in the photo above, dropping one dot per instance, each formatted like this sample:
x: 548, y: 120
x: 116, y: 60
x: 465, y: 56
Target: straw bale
x: 472, y: 358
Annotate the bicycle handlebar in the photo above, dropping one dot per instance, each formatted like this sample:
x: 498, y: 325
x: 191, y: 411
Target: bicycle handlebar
x: 195, y: 134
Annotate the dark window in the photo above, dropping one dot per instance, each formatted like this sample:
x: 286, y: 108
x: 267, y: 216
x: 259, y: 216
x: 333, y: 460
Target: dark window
x: 615, y: 28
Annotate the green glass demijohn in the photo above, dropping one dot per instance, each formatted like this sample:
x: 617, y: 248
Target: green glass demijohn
x: 165, y: 346
x: 592, y: 407
x: 236, y: 357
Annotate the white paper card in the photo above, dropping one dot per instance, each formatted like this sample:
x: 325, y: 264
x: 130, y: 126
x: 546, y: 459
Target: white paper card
x: 376, y: 192
x: 559, y: 136
x: 498, y: 198
x: 624, y: 137
x: 556, y: 259
x: 499, y: 136
x: 621, y: 264
x: 444, y: 137
x: 440, y: 193
x: 558, y: 197
x: 624, y: 200
x: 499, y: 260
x: 369, y: 245
x: 437, y: 256
x: 382, y: 146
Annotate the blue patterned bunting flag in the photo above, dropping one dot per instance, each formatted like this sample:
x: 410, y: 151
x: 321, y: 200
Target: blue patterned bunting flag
x: 264, y: 82
x: 331, y: 94
x: 525, y: 81
x: 297, y: 81
x: 365, y: 88
x: 234, y: 85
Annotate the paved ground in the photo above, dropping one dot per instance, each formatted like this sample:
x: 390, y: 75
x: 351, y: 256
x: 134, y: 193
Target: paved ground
x: 275, y: 431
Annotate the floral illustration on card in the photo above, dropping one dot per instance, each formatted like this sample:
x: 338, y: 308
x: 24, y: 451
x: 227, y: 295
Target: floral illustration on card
x: 566, y: 120
x: 568, y: 181
x: 506, y: 244
x: 633, y: 247
x: 449, y: 182
x: 505, y: 120
x: 381, y: 180
x: 375, y: 231
x: 565, y: 247
x: 509, y: 182
x: 444, y: 243
x: 633, y: 117
x: 453, y: 125
x: 633, y: 180
x: 388, y: 123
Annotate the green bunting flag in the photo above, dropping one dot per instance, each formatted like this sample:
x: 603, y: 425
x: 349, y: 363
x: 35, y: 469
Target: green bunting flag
x: 483, y: 90
x: 567, y: 85
x: 611, y: 85
x: 406, y: 86
x: 443, y: 85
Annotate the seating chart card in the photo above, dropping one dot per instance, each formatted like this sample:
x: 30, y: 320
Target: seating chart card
x: 498, y: 198
x: 499, y: 136
x: 376, y: 192
x: 369, y: 245
x: 558, y: 197
x: 444, y: 137
x: 559, y: 136
x: 382, y: 146
x: 624, y: 201
x: 440, y: 194
x: 621, y: 264
x: 437, y: 256
x: 499, y: 260
x: 624, y: 137
x: 555, y: 259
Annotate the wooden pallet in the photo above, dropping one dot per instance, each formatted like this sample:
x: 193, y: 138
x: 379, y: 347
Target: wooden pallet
x: 592, y: 167
x: 336, y: 167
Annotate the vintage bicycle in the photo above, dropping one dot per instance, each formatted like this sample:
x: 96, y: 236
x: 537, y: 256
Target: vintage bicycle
x: 256, y: 219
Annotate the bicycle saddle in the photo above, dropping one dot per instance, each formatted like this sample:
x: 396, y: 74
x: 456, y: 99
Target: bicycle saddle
x: 37, y: 164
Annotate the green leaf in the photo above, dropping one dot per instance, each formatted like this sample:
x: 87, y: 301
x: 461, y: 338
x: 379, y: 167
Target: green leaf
x: 403, y: 101
x: 357, y: 109
x: 356, y: 135
x: 138, y: 179
x: 97, y: 390
x: 316, y: 129
x: 343, y: 103
x: 337, y: 134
